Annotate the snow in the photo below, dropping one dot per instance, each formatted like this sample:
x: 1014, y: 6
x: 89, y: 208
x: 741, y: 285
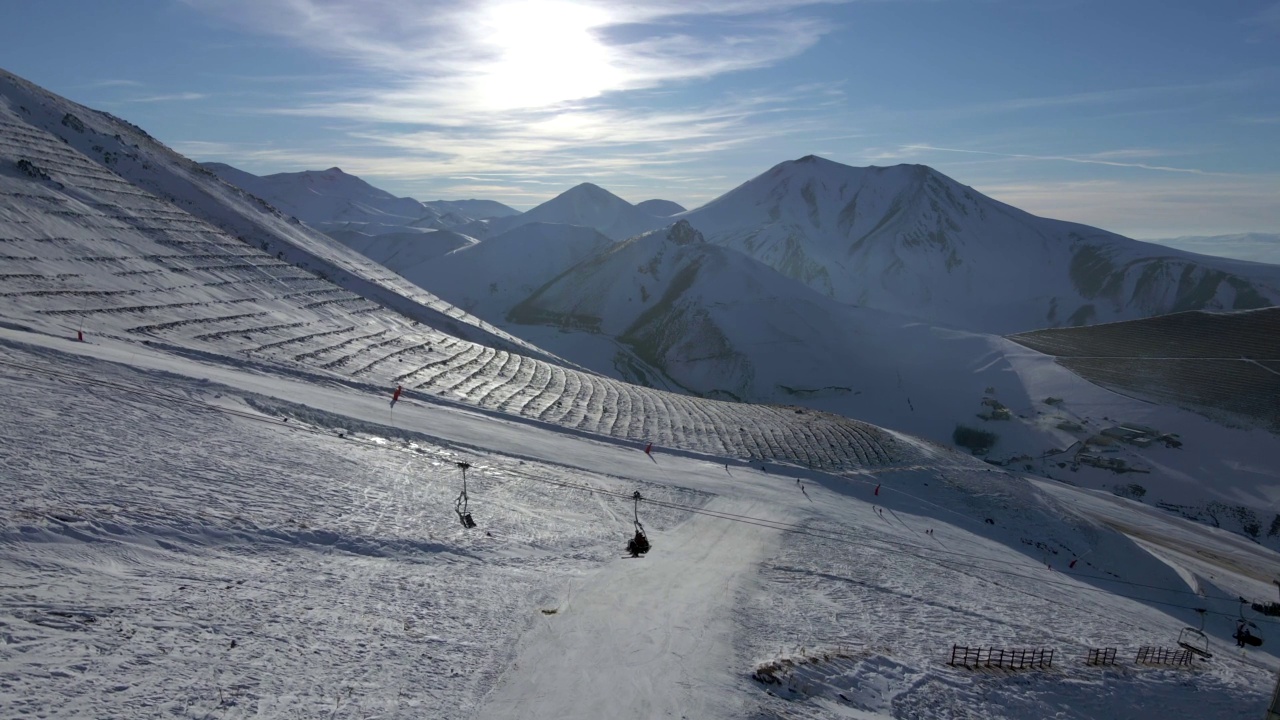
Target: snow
x: 409, y: 252
x: 658, y: 633
x: 137, y: 196
x: 749, y: 334
x: 746, y: 332
x: 661, y: 208
x: 586, y: 205
x: 332, y: 200
x: 714, y: 322
x: 909, y: 240
x: 215, y: 511
x: 491, y: 277
x: 327, y: 198
x: 339, y: 571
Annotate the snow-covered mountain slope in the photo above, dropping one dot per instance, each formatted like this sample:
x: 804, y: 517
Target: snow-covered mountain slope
x: 669, y: 310
x: 211, y: 271
x: 1253, y: 247
x: 332, y: 200
x: 910, y: 240
x: 87, y: 190
x: 476, y: 209
x: 660, y: 208
x: 589, y: 206
x: 408, y: 252
x: 1225, y: 476
x: 707, y: 317
x: 228, y: 526
x: 491, y: 277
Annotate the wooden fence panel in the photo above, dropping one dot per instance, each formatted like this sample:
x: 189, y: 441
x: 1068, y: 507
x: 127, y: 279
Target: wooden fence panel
x: 1016, y: 659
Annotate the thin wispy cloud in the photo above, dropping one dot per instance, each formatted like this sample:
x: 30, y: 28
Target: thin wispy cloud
x: 115, y: 82
x: 517, y: 85
x: 509, y: 54
x: 689, y: 97
x: 1165, y: 207
x: 1096, y: 159
x: 582, y: 141
x: 1129, y: 96
x: 171, y: 97
x: 556, y: 151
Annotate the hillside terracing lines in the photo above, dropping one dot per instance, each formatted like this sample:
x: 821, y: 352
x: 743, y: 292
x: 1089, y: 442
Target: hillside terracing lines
x: 81, y: 248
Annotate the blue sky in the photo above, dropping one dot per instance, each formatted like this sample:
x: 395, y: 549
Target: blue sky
x: 1143, y: 117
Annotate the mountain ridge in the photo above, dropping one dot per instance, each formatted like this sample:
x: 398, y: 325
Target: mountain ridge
x: 332, y: 199
x: 908, y: 239
x: 588, y: 205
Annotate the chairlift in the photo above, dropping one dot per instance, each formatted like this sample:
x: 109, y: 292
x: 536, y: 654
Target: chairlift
x: 460, y: 505
x: 1247, y: 632
x: 1194, y: 640
x: 638, y: 545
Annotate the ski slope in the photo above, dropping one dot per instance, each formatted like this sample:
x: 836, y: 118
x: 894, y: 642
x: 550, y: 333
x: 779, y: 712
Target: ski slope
x: 107, y: 232
x: 140, y: 548
x: 657, y: 635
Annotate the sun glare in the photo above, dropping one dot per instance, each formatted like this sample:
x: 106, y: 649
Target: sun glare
x: 546, y: 52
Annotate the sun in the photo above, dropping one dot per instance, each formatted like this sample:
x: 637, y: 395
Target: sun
x: 545, y: 52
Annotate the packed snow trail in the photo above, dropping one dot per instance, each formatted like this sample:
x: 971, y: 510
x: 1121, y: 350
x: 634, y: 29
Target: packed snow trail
x: 178, y: 562
x: 649, y: 638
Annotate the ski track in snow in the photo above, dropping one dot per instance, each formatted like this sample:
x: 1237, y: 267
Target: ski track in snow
x: 166, y: 536
x: 138, y: 550
x: 656, y: 633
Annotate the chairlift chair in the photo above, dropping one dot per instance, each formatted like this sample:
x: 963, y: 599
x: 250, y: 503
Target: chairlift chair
x: 1247, y: 632
x: 638, y: 545
x: 460, y: 505
x: 1194, y: 640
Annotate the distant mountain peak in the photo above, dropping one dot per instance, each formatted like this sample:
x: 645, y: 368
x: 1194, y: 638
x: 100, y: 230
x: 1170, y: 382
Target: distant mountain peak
x: 661, y: 208
x: 909, y: 239
x: 819, y: 164
x: 591, y: 190
x: 817, y: 161
x: 587, y: 205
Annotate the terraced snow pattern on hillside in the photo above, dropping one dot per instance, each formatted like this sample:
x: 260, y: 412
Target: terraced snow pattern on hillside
x: 1212, y: 362
x: 82, y: 249
x: 198, y: 557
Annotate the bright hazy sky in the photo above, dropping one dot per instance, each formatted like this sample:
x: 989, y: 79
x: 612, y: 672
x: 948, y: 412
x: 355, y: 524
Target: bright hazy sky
x: 1146, y: 117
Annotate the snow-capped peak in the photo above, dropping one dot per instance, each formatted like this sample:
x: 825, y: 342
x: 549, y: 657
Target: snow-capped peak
x: 909, y: 239
x: 587, y: 205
